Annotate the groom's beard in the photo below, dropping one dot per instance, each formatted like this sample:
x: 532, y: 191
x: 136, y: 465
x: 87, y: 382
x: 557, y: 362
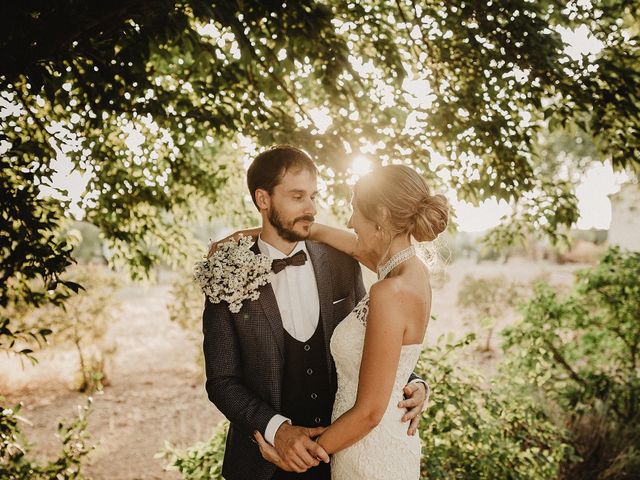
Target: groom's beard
x: 286, y: 231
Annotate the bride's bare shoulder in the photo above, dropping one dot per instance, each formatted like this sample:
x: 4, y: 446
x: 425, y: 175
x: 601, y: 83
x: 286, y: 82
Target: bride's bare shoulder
x: 397, y: 292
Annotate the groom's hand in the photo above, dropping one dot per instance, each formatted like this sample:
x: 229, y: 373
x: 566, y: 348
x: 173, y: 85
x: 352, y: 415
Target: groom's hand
x: 268, y: 452
x: 296, y: 449
x: 416, y: 397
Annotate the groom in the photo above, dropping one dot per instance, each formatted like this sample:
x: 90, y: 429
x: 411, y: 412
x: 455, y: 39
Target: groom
x: 268, y: 367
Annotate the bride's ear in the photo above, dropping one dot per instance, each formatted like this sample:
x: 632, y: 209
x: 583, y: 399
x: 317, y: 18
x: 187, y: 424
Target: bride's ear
x: 383, y: 217
x: 382, y: 224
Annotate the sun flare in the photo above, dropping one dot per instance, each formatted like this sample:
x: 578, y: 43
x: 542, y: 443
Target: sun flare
x: 361, y: 166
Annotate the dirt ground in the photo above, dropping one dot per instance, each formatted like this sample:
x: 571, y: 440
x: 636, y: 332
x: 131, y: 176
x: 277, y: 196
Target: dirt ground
x: 156, y: 393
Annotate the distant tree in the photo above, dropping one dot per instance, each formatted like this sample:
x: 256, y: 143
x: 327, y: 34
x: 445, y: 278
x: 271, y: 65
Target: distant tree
x: 185, y: 309
x: 81, y: 321
x: 90, y: 247
x: 486, y: 301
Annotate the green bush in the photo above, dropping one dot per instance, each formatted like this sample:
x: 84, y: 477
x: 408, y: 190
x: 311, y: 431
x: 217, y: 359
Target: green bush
x: 581, y: 354
x: 202, y: 461
x: 473, y: 431
x: 15, y: 463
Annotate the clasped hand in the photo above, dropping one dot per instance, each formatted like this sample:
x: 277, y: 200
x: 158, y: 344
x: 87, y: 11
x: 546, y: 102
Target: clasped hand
x: 295, y: 450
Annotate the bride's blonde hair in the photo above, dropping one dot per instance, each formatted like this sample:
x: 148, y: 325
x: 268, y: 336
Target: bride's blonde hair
x: 399, y: 200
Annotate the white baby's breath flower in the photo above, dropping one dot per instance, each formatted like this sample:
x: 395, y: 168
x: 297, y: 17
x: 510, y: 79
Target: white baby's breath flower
x: 233, y: 273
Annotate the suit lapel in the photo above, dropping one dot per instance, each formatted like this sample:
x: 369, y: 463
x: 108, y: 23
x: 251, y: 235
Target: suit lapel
x: 270, y: 308
x: 318, y: 255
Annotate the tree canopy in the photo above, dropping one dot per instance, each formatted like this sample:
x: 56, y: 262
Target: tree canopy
x: 474, y: 82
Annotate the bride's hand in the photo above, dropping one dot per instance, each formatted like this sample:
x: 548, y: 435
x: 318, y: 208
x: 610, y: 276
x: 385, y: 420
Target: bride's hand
x: 249, y: 232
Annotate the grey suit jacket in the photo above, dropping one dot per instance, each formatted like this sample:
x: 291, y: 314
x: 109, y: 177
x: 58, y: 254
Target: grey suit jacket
x: 244, y: 355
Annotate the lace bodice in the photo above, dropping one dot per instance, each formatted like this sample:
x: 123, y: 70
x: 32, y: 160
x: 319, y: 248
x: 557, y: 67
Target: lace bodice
x: 387, y: 452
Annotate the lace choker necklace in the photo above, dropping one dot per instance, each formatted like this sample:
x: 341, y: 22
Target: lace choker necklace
x: 397, y: 259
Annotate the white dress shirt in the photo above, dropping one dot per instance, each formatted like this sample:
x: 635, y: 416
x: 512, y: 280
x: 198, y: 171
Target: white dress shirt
x: 296, y: 292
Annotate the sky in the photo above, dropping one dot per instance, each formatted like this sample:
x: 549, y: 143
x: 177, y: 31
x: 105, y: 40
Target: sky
x: 592, y: 192
x: 594, y: 205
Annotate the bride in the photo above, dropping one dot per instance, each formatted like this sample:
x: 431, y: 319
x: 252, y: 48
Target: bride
x: 376, y: 347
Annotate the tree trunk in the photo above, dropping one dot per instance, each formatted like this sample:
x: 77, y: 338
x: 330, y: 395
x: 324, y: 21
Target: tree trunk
x: 83, y: 369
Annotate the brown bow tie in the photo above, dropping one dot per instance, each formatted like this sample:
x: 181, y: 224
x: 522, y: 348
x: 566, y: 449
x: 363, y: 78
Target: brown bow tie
x: 298, y: 259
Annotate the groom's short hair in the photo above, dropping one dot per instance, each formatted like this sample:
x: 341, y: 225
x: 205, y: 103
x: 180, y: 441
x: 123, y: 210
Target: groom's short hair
x: 268, y: 168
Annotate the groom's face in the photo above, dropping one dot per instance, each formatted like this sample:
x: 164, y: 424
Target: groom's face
x: 291, y: 206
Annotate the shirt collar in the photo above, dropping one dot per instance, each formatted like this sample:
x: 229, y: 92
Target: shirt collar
x: 273, y: 252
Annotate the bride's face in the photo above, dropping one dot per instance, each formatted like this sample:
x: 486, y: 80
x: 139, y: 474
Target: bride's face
x: 369, y: 236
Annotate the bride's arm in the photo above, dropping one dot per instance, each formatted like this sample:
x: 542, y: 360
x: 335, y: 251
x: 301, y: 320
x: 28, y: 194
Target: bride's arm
x: 380, y: 358
x: 342, y: 240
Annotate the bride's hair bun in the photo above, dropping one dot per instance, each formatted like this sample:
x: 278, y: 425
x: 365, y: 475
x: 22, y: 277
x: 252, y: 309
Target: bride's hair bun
x: 431, y: 218
x: 398, y: 198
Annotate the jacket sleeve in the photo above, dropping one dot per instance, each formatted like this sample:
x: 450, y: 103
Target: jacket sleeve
x: 414, y: 377
x: 225, y: 383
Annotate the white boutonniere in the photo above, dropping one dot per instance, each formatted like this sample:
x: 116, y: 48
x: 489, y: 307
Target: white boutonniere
x: 233, y: 273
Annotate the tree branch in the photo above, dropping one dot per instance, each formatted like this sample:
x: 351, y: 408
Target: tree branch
x: 563, y: 362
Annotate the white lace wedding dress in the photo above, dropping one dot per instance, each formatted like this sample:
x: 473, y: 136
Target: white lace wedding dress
x: 387, y: 452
